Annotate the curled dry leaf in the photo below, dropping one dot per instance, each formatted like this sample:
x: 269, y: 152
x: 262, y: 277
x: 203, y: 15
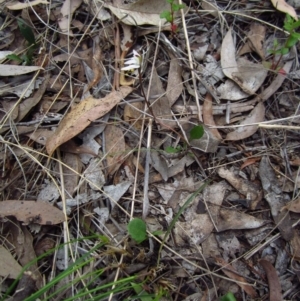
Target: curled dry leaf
x: 32, y: 212
x: 273, y: 280
x: 82, y: 115
x: 281, y: 5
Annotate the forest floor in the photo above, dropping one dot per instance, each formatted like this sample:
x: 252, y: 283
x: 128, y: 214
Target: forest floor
x: 149, y: 150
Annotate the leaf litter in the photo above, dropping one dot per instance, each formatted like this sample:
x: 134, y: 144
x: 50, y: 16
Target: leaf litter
x: 87, y: 147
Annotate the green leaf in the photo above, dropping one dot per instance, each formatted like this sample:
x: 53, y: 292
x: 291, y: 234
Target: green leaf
x: 137, y: 230
x: 173, y: 150
x: 166, y: 15
x: 196, y: 132
x: 284, y: 51
x: 296, y: 35
x: 170, y: 1
x: 14, y: 57
x: 177, y: 7
x: 291, y: 41
x: 228, y: 297
x: 26, y: 31
x: 143, y: 296
x: 157, y: 232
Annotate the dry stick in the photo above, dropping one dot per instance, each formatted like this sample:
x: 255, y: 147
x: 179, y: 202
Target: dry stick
x: 147, y: 164
x: 190, y: 62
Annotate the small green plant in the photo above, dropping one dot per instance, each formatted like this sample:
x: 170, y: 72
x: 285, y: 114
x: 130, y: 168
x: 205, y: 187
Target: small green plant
x: 173, y: 150
x: 228, y: 297
x: 290, y: 25
x: 169, y: 15
x: 137, y: 230
x: 27, y: 33
x: 196, y: 132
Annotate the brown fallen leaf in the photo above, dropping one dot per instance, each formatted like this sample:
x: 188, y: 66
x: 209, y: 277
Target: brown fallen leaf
x: 257, y: 115
x: 140, y: 12
x: 232, y: 273
x: 115, y: 148
x: 22, y: 240
x: 67, y: 10
x: 71, y: 178
x: 160, y: 107
x: 175, y: 84
x: 247, y: 75
x: 9, y: 267
x: 233, y: 219
x: 281, y: 5
x: 293, y: 206
x: 256, y: 37
x: 245, y: 187
x: 273, y: 280
x: 276, y: 199
x: 32, y: 212
x: 82, y: 115
x: 16, y: 5
x: 249, y: 162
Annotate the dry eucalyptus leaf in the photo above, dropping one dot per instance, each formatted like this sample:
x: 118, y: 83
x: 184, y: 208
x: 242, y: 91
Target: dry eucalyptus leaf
x: 82, y: 115
x: 281, y: 5
x: 71, y: 177
x: 115, y: 148
x: 67, y: 10
x: 257, y: 115
x: 240, y: 280
x: 198, y: 227
x: 247, y: 188
x: 32, y: 212
x: 141, y: 12
x: 115, y: 192
x: 175, y: 84
x: 255, y: 41
x: 160, y: 107
x: 293, y: 206
x: 21, y: 5
x: 249, y: 76
x: 133, y: 114
x: 12, y: 70
x: 9, y: 267
x: 233, y: 219
x: 273, y: 280
x: 275, y: 198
